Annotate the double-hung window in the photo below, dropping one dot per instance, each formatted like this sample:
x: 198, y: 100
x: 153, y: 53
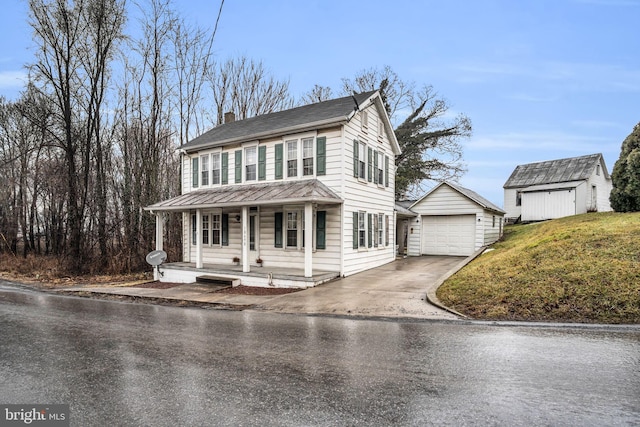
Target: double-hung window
x: 362, y: 230
x: 251, y: 160
x: 380, y: 170
x: 204, y: 169
x: 216, y: 225
x: 380, y: 235
x: 292, y: 229
x: 292, y: 158
x: 215, y: 168
x: 205, y: 229
x: 362, y: 160
x: 307, y: 156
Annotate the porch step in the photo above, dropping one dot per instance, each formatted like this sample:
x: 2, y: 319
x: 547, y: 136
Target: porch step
x: 217, y: 280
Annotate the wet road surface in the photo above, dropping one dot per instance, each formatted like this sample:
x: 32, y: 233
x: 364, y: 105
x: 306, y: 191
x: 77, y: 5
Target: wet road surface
x: 138, y: 364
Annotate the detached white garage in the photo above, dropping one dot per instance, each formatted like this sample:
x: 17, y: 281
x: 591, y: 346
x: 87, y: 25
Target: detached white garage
x: 453, y: 220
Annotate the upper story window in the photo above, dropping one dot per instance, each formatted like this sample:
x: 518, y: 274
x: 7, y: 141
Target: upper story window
x: 300, y: 157
x: 380, y: 169
x: 598, y: 170
x: 204, y: 169
x: 251, y: 160
x: 380, y: 129
x: 307, y: 156
x: 215, y: 168
x: 365, y: 121
x: 362, y: 160
x: 292, y: 158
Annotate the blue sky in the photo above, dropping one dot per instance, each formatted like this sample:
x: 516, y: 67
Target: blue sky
x: 540, y: 79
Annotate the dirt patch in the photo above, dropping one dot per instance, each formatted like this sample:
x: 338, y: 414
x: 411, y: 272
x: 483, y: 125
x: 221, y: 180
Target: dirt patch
x: 157, y: 285
x: 238, y: 290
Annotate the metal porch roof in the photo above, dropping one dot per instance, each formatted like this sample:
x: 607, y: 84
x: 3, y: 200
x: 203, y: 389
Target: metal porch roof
x: 271, y: 193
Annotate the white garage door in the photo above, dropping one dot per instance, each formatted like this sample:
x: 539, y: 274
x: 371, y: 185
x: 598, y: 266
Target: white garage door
x: 448, y: 235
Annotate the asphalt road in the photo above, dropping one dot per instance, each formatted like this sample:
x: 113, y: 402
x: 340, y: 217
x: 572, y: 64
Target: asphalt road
x: 123, y: 364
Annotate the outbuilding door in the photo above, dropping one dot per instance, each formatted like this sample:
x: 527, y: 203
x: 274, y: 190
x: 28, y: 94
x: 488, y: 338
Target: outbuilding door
x: 549, y: 204
x: 448, y: 235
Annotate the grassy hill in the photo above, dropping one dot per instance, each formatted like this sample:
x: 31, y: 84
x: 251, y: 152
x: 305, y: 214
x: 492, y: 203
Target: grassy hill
x: 584, y: 268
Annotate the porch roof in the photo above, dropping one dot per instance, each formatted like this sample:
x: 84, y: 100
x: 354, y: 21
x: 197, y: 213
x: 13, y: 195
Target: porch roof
x: 260, y: 194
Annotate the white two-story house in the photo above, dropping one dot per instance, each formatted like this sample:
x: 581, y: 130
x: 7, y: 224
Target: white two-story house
x: 294, y: 198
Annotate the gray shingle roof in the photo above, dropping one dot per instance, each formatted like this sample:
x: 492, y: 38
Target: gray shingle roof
x: 298, y: 118
x: 470, y: 194
x: 271, y: 193
x: 476, y: 198
x: 555, y: 171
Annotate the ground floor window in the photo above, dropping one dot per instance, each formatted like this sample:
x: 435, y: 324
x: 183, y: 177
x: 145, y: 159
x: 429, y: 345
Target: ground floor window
x: 214, y: 229
x: 362, y: 230
x: 380, y: 233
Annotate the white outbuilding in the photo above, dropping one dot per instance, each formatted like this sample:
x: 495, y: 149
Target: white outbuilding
x: 452, y: 220
x: 557, y: 188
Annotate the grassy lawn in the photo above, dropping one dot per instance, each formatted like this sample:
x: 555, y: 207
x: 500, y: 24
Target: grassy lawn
x: 584, y: 268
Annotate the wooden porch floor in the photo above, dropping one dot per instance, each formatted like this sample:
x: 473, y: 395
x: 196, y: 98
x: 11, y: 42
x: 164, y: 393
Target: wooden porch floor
x: 266, y: 273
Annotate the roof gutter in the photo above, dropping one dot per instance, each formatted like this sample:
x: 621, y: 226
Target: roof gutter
x: 302, y: 200
x: 279, y: 132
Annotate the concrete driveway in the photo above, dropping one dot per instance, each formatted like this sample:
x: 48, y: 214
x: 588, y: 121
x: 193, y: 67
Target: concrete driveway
x: 397, y: 289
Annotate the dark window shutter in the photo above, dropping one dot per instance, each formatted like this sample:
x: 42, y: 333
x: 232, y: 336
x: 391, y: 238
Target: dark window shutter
x: 386, y: 228
x: 321, y: 156
x: 386, y: 171
x: 321, y: 230
x: 356, y: 152
x: 262, y: 163
x: 194, y: 173
x: 355, y: 230
x: 369, y: 230
x: 238, y: 166
x: 278, y: 229
x: 375, y: 167
x: 278, y: 156
x: 224, y: 179
x: 370, y: 164
x: 225, y: 229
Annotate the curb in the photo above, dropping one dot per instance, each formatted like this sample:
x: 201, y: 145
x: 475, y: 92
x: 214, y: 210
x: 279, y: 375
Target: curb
x: 431, y: 292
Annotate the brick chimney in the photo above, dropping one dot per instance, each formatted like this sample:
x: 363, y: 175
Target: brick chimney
x: 229, y: 117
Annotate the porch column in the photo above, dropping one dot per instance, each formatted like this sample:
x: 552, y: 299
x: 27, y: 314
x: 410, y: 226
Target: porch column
x: 245, y: 240
x: 198, y: 238
x: 159, y: 230
x: 308, y: 239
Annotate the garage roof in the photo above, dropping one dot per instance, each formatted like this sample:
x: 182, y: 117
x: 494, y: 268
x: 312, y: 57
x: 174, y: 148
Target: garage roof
x: 470, y: 194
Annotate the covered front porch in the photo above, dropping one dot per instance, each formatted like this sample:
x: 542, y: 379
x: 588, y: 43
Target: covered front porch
x: 280, y: 277
x: 268, y: 234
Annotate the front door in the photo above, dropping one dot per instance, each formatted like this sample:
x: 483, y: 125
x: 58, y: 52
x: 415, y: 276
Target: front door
x: 254, y: 235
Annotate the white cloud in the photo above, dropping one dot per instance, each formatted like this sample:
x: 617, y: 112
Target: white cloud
x: 539, y: 140
x: 12, y: 79
x: 591, y: 77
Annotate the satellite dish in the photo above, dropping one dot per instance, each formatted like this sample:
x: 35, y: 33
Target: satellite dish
x: 156, y: 258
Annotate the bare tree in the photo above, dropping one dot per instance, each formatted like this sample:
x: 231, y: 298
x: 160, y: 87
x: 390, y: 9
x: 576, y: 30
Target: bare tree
x: 428, y: 138
x: 75, y: 45
x: 243, y: 86
x: 317, y: 94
